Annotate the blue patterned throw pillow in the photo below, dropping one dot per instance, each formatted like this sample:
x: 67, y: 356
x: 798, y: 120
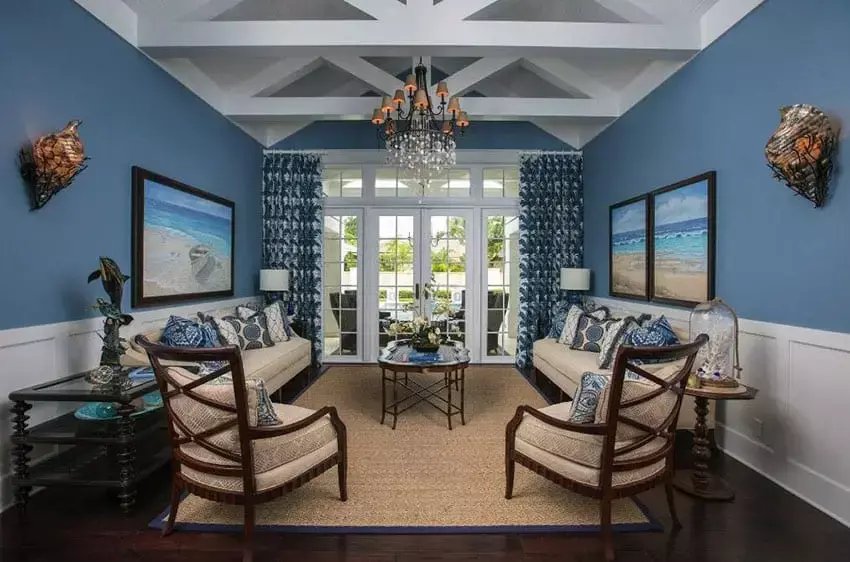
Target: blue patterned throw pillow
x: 615, y: 336
x: 182, y: 332
x: 589, y: 392
x: 653, y: 333
x: 558, y: 316
x: 590, y: 333
x: 252, y: 333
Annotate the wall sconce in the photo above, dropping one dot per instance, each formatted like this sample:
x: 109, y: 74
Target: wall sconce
x: 52, y: 163
x: 800, y: 151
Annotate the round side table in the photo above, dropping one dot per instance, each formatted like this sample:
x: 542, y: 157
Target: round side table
x: 699, y: 482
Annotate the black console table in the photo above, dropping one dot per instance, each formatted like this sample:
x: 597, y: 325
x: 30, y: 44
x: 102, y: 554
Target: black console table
x: 113, y: 454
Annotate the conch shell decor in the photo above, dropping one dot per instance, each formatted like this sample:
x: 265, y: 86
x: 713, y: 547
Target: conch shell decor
x: 800, y: 151
x: 52, y: 163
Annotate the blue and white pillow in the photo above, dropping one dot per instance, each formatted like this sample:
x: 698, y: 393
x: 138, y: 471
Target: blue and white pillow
x: 265, y: 407
x: 276, y: 319
x: 568, y: 333
x: 182, y: 332
x: 656, y: 332
x: 589, y: 333
x: 615, y: 335
x: 589, y: 392
x: 558, y: 316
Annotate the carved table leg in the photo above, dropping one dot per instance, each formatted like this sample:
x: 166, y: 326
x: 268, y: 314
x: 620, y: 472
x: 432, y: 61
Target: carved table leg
x: 20, y: 455
x: 126, y: 458
x: 700, y: 482
x: 383, y: 395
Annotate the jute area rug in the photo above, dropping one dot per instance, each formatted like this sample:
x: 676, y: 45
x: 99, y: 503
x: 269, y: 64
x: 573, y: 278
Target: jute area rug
x: 421, y: 477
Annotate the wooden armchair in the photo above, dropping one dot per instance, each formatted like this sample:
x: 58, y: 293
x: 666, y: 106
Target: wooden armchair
x: 222, y: 451
x: 629, y: 447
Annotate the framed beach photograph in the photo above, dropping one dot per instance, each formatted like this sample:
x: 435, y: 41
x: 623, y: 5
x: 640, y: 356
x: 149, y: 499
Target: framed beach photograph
x: 183, y: 241
x: 629, y: 249
x: 683, y: 238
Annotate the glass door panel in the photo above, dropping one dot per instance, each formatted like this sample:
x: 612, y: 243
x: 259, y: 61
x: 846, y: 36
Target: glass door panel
x: 448, y: 270
x: 502, y: 284
x: 341, y: 280
x: 397, y: 269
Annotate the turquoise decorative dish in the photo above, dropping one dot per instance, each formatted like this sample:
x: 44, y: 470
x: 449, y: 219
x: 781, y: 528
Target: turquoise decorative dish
x: 105, y: 411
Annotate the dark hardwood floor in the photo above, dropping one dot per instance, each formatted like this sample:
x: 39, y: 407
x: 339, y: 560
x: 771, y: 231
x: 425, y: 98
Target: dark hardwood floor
x: 765, y: 523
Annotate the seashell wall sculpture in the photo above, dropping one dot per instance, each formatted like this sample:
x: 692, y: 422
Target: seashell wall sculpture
x: 52, y: 163
x: 800, y: 151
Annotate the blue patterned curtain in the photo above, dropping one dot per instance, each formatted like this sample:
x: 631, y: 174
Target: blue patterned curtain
x: 551, y: 233
x: 292, y: 234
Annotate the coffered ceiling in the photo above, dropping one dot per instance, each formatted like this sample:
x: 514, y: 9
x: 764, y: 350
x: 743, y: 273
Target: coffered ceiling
x: 273, y: 66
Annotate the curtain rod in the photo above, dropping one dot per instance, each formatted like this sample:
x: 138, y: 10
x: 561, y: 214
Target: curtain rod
x: 279, y: 151
x: 545, y: 152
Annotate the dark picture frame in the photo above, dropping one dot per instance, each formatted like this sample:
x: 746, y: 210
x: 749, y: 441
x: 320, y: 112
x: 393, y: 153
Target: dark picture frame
x: 628, y: 222
x: 683, y: 241
x: 184, y: 221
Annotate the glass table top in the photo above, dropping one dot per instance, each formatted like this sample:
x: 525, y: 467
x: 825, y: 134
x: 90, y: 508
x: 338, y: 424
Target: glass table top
x: 401, y: 353
x: 133, y: 384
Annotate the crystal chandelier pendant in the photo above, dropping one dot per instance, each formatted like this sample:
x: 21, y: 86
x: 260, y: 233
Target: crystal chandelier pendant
x: 420, y: 139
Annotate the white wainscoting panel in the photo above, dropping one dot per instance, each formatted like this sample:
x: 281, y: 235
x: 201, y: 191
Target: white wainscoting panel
x: 795, y: 431
x: 40, y: 353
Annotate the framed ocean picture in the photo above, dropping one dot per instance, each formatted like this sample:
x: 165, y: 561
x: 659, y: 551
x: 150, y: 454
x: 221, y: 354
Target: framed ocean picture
x: 683, y: 240
x: 628, y: 230
x: 183, y: 241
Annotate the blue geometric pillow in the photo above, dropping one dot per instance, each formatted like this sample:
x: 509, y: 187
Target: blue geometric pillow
x: 655, y: 333
x: 588, y: 394
x: 590, y: 333
x: 558, y: 316
x: 182, y: 332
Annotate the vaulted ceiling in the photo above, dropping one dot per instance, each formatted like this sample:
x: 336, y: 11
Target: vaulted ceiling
x: 273, y: 66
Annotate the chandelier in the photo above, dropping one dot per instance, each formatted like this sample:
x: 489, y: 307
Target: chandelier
x: 422, y: 138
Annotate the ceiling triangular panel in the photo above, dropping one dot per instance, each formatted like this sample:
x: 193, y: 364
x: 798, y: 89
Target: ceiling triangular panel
x: 547, y: 10
x: 229, y: 70
x: 265, y: 10
x: 326, y: 81
x: 518, y: 82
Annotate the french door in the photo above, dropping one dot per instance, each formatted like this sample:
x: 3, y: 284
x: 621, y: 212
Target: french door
x: 420, y: 266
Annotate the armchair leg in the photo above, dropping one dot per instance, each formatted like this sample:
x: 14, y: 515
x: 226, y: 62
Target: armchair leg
x: 342, y: 470
x: 510, y: 468
x: 248, y: 547
x: 607, y: 532
x: 671, y: 503
x: 176, y: 491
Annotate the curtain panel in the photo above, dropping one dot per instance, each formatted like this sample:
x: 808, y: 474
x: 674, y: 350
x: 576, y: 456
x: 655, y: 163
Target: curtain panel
x: 551, y: 236
x: 293, y: 208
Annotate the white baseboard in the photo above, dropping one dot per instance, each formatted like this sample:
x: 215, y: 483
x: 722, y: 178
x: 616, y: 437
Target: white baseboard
x: 794, y: 431
x: 40, y: 353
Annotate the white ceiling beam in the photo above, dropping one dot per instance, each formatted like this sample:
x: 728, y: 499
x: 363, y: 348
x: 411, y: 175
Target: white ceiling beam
x: 277, y: 76
x: 190, y: 10
x: 466, y: 78
x: 565, y: 76
x: 722, y: 16
x: 464, y: 38
x: 376, y: 77
x: 287, y: 109
x: 632, y: 10
x: 115, y: 15
x: 185, y: 71
x: 380, y: 9
x: 460, y: 9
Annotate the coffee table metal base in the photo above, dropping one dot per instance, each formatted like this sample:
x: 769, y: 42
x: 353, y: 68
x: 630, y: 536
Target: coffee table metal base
x: 416, y: 392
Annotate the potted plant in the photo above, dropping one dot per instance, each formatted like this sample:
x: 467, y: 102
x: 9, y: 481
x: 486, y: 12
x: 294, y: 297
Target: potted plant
x: 423, y: 336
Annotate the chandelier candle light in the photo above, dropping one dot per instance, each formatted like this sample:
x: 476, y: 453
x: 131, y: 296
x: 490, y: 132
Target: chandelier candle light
x: 421, y: 138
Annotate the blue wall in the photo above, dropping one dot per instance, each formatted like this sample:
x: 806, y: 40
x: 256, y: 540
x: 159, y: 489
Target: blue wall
x: 58, y: 63
x: 778, y: 258
x: 482, y: 135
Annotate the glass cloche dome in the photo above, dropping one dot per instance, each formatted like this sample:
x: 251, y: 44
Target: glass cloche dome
x: 717, y: 362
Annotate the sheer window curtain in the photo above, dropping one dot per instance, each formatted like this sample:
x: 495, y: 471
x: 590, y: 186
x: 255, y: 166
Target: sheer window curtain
x: 551, y: 236
x: 293, y: 207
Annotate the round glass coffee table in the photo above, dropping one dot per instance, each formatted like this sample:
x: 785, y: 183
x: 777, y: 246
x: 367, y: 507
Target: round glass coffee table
x: 399, y: 360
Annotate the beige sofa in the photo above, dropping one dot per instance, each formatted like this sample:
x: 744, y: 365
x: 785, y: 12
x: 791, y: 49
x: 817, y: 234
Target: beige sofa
x: 276, y: 365
x: 564, y: 367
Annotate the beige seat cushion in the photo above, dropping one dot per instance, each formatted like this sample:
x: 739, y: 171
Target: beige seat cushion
x: 267, y: 362
x: 276, y: 460
x: 570, y: 363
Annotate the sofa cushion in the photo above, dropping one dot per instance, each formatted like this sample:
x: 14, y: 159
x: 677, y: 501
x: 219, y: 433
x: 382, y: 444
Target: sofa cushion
x: 570, y: 362
x: 267, y: 362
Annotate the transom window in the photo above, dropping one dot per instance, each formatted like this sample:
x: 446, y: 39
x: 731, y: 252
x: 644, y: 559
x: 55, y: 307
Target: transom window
x: 501, y: 182
x: 342, y: 182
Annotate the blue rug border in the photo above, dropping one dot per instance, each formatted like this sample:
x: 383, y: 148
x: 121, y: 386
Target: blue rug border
x: 652, y: 524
